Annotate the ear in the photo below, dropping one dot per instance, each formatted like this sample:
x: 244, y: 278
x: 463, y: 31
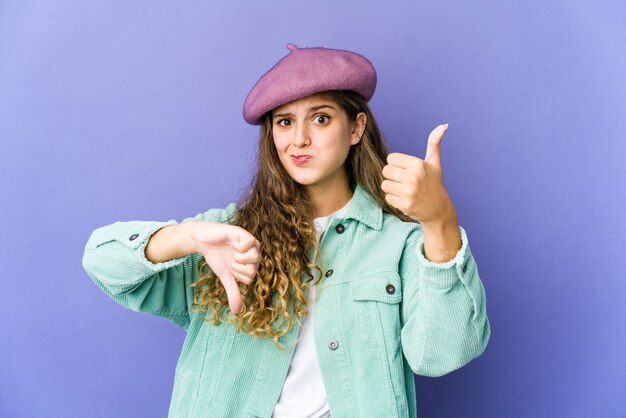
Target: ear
x: 358, y: 128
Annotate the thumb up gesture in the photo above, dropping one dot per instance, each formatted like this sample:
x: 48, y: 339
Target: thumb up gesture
x: 231, y: 252
x: 415, y: 186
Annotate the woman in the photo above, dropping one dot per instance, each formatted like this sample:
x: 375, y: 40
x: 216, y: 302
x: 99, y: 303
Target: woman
x: 341, y: 273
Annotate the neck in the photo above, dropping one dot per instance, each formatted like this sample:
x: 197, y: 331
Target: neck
x: 329, y: 198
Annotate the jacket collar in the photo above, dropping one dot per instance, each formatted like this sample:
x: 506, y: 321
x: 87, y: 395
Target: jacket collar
x: 364, y: 208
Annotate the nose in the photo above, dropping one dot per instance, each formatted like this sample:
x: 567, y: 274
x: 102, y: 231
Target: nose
x: 301, y: 136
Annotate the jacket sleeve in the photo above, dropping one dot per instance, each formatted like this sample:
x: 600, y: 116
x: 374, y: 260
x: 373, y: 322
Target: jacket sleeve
x: 115, y: 260
x: 444, y: 311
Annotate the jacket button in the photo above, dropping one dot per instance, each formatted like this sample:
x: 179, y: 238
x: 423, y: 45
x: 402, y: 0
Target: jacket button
x: 329, y: 272
x: 340, y: 228
x: 333, y: 344
x: 134, y: 236
x: 464, y: 267
x: 391, y: 289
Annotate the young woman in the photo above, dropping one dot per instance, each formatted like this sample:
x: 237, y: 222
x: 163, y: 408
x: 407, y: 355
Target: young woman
x: 340, y: 274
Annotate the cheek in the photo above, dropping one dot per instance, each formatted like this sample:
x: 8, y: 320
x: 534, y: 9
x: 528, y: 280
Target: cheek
x: 281, y: 145
x: 281, y: 150
x: 342, y: 148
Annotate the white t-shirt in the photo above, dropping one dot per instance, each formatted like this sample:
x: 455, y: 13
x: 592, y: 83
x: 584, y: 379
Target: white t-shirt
x: 304, y: 394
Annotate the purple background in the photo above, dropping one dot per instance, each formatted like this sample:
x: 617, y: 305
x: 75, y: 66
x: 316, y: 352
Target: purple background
x: 132, y: 110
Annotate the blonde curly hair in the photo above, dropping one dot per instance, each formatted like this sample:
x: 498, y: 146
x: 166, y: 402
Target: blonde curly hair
x: 278, y: 212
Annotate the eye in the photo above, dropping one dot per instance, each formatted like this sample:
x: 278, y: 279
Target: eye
x: 324, y: 119
x: 280, y: 122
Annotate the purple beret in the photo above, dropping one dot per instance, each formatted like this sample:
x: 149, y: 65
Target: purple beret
x: 305, y: 71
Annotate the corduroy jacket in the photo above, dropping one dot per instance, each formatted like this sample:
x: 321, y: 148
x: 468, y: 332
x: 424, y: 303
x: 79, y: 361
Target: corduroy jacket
x: 383, y: 313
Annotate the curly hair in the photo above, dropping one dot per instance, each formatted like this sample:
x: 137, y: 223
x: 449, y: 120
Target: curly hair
x: 278, y: 212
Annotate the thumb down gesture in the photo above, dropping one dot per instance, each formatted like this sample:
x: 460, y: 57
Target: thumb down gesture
x: 232, y: 253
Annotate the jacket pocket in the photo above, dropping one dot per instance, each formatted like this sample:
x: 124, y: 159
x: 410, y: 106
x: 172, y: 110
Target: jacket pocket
x: 383, y: 286
x: 377, y: 300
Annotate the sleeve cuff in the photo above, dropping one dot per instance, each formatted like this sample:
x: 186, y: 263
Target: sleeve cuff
x: 135, y: 236
x: 145, y: 235
x: 445, y: 274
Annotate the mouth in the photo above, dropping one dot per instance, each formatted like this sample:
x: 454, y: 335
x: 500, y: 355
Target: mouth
x: 300, y: 159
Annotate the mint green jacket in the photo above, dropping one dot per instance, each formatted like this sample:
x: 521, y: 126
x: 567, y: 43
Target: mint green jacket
x: 383, y: 313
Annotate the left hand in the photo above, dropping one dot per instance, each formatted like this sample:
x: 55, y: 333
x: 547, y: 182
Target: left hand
x: 415, y: 186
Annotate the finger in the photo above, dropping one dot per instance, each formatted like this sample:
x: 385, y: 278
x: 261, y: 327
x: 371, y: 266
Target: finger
x: 433, y: 148
x: 393, y: 187
x: 393, y: 173
x: 239, y: 237
x: 238, y: 243
x: 401, y: 160
x: 395, y: 201
x: 250, y: 243
x: 235, y: 300
x: 250, y: 256
x: 248, y: 270
x: 243, y: 244
x: 244, y: 278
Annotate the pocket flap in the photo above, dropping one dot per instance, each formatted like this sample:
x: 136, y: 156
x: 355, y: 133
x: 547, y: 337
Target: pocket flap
x: 383, y: 286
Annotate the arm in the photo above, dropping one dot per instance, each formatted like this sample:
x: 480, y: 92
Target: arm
x: 170, y: 242
x: 152, y: 280
x: 444, y: 317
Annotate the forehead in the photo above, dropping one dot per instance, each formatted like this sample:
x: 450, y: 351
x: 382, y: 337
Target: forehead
x: 313, y: 100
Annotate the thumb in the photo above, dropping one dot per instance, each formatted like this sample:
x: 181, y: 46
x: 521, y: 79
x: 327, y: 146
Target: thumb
x: 433, y: 148
x: 235, y: 300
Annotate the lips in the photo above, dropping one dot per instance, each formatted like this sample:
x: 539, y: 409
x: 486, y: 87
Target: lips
x: 301, y: 159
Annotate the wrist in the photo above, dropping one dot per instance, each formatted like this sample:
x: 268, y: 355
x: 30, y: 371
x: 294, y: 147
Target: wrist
x: 442, y: 239
x: 184, y: 237
x: 442, y: 223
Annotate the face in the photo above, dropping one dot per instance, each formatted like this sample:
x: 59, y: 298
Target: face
x: 313, y: 136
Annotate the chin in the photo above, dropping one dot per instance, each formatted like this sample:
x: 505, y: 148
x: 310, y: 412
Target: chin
x: 304, y: 181
x: 300, y: 179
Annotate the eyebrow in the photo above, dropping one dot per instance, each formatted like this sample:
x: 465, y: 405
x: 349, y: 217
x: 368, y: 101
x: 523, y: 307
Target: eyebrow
x: 311, y: 109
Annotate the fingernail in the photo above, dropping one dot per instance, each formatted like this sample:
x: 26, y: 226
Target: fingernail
x: 446, y: 125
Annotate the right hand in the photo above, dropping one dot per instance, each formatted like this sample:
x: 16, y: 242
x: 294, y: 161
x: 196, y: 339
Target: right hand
x: 231, y: 252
